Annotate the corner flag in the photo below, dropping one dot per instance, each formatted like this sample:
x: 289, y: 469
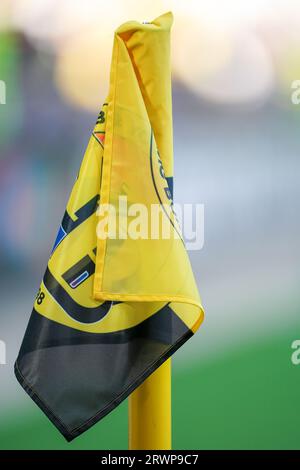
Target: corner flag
x: 111, y: 309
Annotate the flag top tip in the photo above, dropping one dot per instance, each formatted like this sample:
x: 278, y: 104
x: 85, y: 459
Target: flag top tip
x: 161, y: 23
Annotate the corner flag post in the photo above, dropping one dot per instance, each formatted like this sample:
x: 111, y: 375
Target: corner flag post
x: 150, y: 412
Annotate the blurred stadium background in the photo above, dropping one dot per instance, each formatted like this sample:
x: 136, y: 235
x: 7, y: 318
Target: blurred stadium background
x: 237, y: 151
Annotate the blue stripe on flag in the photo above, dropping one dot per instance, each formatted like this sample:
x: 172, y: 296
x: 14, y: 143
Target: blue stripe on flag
x: 82, y: 277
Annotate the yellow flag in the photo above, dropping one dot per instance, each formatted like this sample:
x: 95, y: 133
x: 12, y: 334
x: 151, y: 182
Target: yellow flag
x: 118, y: 296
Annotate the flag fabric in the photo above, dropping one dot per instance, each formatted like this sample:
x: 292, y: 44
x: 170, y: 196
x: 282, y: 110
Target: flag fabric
x: 111, y: 309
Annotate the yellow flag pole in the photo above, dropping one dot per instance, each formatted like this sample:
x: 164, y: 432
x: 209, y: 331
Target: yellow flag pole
x: 150, y: 412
